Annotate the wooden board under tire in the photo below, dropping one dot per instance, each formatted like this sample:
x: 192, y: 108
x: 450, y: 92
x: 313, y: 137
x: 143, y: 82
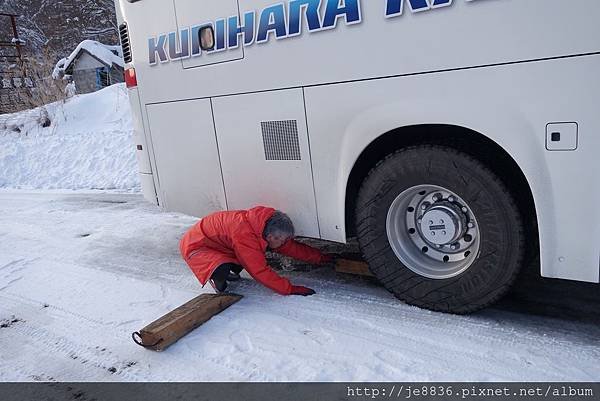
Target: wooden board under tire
x: 352, y: 266
x: 163, y: 332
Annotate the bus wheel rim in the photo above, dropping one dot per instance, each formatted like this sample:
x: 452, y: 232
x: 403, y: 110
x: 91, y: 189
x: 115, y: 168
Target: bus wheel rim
x: 433, y: 231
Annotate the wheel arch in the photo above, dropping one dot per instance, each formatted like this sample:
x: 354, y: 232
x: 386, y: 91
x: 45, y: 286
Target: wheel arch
x: 460, y: 138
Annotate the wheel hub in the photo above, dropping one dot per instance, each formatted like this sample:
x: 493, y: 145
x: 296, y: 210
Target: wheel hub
x: 433, y: 231
x: 442, y: 224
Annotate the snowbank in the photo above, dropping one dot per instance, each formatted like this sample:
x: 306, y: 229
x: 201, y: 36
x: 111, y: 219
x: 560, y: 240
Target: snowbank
x: 80, y: 272
x: 88, y: 144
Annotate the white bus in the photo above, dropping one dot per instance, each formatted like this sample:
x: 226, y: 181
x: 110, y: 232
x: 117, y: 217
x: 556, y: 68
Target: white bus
x: 457, y: 140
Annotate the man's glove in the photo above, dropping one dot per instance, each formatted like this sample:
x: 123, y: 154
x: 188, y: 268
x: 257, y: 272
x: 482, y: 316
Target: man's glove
x: 300, y: 290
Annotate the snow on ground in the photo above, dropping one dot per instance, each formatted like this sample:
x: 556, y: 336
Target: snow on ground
x: 88, y: 145
x: 80, y: 272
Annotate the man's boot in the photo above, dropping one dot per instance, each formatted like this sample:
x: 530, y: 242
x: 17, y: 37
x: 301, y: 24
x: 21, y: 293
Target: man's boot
x: 219, y: 285
x: 233, y: 276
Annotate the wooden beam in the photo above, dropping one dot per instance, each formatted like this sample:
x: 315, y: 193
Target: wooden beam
x: 163, y: 332
x: 351, y: 266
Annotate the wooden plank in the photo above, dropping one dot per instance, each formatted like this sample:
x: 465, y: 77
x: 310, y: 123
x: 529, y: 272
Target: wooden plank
x: 351, y: 266
x: 163, y: 332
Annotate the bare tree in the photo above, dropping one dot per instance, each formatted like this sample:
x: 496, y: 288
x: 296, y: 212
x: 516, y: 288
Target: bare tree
x: 45, y: 89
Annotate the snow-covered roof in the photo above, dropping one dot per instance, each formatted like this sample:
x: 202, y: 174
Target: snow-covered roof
x: 107, y: 55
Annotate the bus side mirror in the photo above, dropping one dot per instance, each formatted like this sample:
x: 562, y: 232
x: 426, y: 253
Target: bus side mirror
x: 207, y: 38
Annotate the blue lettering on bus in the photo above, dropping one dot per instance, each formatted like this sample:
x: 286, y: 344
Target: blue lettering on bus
x: 220, y: 44
x: 274, y: 22
x: 310, y: 9
x: 234, y: 30
x: 350, y: 10
x: 182, y: 44
x: 156, y: 46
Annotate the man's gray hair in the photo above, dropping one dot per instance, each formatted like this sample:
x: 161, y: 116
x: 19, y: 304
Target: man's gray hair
x: 279, y: 224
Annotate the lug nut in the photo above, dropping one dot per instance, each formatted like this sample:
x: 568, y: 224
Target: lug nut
x: 471, y: 225
x: 451, y: 199
x: 437, y: 197
x: 464, y: 209
x: 455, y: 247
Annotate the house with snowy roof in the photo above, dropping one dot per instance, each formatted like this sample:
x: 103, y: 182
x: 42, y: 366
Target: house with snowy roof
x: 91, y: 66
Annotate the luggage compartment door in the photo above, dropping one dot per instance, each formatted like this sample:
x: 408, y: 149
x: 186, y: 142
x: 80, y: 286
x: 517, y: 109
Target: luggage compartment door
x: 187, y: 157
x: 193, y: 14
x: 264, y: 147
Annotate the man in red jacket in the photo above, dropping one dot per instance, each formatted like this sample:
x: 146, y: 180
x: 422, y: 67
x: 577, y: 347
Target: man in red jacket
x: 220, y: 245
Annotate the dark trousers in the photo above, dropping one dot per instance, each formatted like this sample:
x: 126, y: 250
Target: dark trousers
x: 221, y: 272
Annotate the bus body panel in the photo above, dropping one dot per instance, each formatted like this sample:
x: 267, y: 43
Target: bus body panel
x: 187, y: 159
x: 479, y: 32
x: 187, y: 16
x: 513, y: 113
x: 264, y: 136
x: 503, y: 68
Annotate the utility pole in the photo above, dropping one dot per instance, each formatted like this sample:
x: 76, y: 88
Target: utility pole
x: 14, y: 82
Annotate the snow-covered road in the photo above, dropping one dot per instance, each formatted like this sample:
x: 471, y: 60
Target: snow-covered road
x: 80, y: 271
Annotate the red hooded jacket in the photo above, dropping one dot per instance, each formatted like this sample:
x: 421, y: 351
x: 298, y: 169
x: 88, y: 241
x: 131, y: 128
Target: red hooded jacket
x: 236, y: 237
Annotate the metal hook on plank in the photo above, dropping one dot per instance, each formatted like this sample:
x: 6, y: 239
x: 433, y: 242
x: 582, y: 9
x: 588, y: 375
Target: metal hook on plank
x: 140, y: 342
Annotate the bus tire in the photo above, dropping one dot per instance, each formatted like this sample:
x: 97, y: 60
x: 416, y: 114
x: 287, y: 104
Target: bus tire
x: 398, y: 202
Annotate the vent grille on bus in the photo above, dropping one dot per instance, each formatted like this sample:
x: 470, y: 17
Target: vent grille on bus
x: 124, y: 34
x: 280, y: 139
